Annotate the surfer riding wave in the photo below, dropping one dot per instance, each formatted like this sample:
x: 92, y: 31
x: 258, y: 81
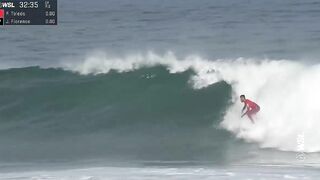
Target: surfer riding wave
x: 252, y: 108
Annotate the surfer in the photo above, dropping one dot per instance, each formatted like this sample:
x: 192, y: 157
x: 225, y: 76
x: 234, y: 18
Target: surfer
x: 252, y: 108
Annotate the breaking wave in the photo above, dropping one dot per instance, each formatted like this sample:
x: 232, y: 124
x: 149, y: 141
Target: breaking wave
x: 286, y: 91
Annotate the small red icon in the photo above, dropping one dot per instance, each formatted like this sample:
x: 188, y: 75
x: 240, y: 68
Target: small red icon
x: 1, y: 13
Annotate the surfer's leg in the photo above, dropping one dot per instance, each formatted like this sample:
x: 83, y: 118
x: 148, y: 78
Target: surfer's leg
x: 257, y: 110
x: 249, y: 114
x: 253, y: 112
x: 251, y: 119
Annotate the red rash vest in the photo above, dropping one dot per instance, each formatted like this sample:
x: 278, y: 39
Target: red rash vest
x: 251, y: 104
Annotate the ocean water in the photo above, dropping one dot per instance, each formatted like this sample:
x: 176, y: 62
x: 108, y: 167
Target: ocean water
x: 240, y: 172
x: 148, y: 89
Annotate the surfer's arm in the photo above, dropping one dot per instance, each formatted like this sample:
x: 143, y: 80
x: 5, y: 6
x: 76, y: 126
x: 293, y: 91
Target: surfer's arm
x: 244, y: 114
x: 244, y: 107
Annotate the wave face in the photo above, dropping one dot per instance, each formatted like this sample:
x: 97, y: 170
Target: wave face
x: 147, y: 114
x: 153, y: 107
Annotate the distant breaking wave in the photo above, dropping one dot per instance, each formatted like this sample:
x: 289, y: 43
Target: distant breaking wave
x: 287, y: 92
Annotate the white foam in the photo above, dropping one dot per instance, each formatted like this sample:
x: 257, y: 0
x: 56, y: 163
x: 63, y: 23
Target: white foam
x: 146, y: 173
x: 287, y: 91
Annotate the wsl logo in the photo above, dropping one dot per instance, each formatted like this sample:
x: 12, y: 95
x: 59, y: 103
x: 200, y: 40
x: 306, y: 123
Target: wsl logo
x: 7, y: 5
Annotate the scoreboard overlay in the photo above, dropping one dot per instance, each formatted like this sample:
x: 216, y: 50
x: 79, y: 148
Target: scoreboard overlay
x: 28, y: 12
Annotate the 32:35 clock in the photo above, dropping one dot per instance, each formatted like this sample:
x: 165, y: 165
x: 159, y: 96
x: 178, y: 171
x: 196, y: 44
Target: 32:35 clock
x: 29, y: 4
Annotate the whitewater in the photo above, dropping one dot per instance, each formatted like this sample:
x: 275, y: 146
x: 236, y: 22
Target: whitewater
x: 286, y: 91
